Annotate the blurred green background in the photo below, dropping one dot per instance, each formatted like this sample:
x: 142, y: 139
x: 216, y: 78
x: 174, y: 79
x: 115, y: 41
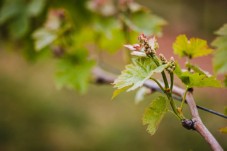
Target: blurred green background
x: 35, y: 116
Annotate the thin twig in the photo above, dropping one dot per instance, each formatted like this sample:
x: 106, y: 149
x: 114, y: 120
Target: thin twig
x: 104, y: 77
x: 179, y: 98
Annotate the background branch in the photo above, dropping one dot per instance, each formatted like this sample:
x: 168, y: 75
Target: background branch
x: 103, y: 77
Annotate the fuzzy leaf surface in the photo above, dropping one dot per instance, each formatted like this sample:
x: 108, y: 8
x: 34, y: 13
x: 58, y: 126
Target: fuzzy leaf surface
x: 192, y: 48
x: 135, y: 74
x: 154, y: 114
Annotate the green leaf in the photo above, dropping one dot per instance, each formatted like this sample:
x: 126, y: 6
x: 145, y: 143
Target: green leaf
x: 113, y: 41
x: 74, y: 71
x: 154, y: 114
x: 222, y: 31
x: 220, y: 55
x: 118, y: 91
x: 145, y: 22
x: 83, y: 37
x: 196, y: 79
x: 10, y: 9
x: 43, y: 38
x: 223, y: 130
x: 192, y: 48
x: 19, y: 26
x: 137, y: 73
x: 109, y: 34
x: 35, y: 7
x: 196, y: 69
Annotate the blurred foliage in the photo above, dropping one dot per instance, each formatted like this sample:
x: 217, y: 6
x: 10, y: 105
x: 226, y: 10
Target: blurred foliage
x: 73, y: 71
x: 66, y: 28
x: 220, y: 55
x: 17, y: 15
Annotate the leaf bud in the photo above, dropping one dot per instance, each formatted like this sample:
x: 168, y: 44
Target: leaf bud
x: 163, y: 59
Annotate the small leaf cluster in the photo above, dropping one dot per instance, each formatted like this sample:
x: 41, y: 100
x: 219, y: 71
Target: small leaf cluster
x: 145, y: 63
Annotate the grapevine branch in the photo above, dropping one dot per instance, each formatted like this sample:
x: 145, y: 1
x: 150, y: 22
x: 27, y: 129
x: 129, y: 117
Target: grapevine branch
x: 104, y: 77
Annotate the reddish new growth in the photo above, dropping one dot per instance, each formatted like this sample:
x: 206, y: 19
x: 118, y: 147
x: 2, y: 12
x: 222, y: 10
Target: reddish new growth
x: 147, y: 46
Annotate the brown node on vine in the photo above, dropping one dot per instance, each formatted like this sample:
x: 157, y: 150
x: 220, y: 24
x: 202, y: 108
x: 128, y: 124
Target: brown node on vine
x: 188, y: 124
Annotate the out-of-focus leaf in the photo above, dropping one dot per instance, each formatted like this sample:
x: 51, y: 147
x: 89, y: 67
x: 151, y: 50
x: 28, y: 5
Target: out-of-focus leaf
x: 223, y: 130
x: 110, y: 36
x: 106, y: 8
x: 141, y: 93
x: 113, y: 41
x: 196, y: 79
x: 137, y: 73
x: 17, y: 14
x: 19, y: 26
x: 55, y: 29
x: 197, y: 69
x: 10, y: 8
x: 118, y: 91
x: 192, y: 48
x: 83, y: 37
x: 74, y: 71
x: 145, y: 22
x: 154, y: 114
x: 35, y: 7
x: 222, y: 31
x: 43, y: 38
x: 220, y: 55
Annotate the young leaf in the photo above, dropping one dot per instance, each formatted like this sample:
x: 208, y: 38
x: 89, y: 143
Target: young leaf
x: 154, y: 114
x: 118, y: 91
x: 137, y: 73
x: 74, y: 71
x: 196, y: 79
x: 192, y: 48
x: 43, y: 38
x: 220, y: 64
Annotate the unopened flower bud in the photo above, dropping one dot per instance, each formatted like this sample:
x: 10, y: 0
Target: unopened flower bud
x: 171, y: 66
x: 163, y: 59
